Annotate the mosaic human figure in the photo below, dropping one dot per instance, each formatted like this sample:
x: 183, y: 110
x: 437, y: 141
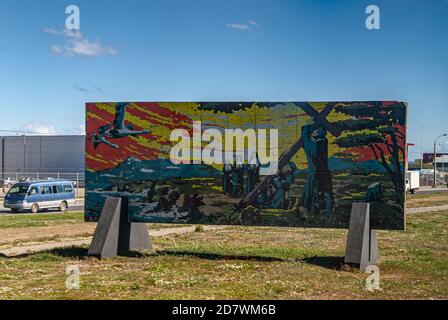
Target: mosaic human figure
x: 374, y: 192
x: 318, y: 189
x: 237, y: 177
x: 253, y: 173
x: 282, y: 184
x: 234, y: 179
x: 227, y: 178
x: 239, y: 172
x: 261, y: 199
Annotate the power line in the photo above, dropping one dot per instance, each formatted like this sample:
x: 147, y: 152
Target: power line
x: 41, y: 115
x: 20, y: 131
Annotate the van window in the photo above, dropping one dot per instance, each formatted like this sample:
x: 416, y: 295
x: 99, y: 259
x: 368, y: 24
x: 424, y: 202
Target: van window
x: 60, y: 188
x: 33, y: 191
x: 68, y: 188
x: 54, y: 189
x: 46, y: 190
x: 18, y: 190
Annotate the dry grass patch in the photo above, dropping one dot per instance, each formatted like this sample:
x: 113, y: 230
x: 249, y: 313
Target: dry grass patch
x: 426, y: 199
x: 244, y: 263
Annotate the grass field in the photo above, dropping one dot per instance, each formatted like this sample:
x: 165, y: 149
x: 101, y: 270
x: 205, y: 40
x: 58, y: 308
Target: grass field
x: 236, y: 263
x: 40, y: 220
x: 427, y: 200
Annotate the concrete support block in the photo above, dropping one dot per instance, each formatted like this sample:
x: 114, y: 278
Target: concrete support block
x: 362, y: 244
x: 114, y: 234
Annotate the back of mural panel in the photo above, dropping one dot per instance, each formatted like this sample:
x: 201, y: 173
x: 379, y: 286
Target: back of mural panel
x: 259, y: 163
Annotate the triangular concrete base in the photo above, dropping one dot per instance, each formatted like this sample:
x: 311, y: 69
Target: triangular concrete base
x: 114, y: 234
x: 362, y: 244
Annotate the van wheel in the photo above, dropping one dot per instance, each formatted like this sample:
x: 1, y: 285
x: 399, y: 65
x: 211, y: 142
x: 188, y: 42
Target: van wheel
x: 63, y: 206
x: 35, y: 208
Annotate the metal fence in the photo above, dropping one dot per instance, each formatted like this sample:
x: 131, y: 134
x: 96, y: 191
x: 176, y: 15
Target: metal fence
x: 76, y: 177
x: 427, y: 180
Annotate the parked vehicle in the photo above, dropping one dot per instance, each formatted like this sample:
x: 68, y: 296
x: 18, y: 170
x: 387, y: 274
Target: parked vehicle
x: 412, y: 181
x: 37, y: 195
x: 7, y: 183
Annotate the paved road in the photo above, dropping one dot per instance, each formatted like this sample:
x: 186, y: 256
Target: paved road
x: 4, y: 211
x: 429, y: 190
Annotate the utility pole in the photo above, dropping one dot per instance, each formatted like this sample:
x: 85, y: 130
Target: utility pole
x: 443, y: 160
x: 421, y: 148
x: 77, y: 184
x: 443, y: 157
x: 435, y: 158
x: 24, y: 153
x: 407, y: 154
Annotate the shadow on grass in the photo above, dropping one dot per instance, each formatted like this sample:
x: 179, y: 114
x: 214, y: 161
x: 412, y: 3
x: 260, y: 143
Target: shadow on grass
x: 69, y: 252
x: 79, y: 253
x: 329, y: 262
x: 82, y: 253
x: 216, y: 256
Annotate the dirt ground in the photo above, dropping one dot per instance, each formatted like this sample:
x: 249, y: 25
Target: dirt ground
x: 28, y: 229
x: 243, y: 263
x: 19, y: 236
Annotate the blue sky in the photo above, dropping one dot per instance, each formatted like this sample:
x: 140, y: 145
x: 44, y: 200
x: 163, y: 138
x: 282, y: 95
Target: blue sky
x: 196, y: 50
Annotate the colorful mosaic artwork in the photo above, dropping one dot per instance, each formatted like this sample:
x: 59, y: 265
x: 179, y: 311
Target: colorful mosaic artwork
x: 248, y: 163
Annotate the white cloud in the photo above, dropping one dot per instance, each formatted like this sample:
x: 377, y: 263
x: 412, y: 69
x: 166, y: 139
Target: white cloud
x: 75, y: 44
x: 73, y: 34
x: 79, y: 130
x: 244, y: 26
x: 53, y: 31
x: 56, y: 50
x: 254, y: 23
x: 39, y: 128
x: 34, y: 128
x: 84, y: 47
x: 238, y: 26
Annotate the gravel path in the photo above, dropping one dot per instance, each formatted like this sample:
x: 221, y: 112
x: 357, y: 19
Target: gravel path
x: 427, y: 209
x: 77, y: 230
x: 34, y: 248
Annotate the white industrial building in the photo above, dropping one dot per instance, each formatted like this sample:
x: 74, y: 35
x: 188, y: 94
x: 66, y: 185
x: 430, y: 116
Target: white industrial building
x: 442, y: 163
